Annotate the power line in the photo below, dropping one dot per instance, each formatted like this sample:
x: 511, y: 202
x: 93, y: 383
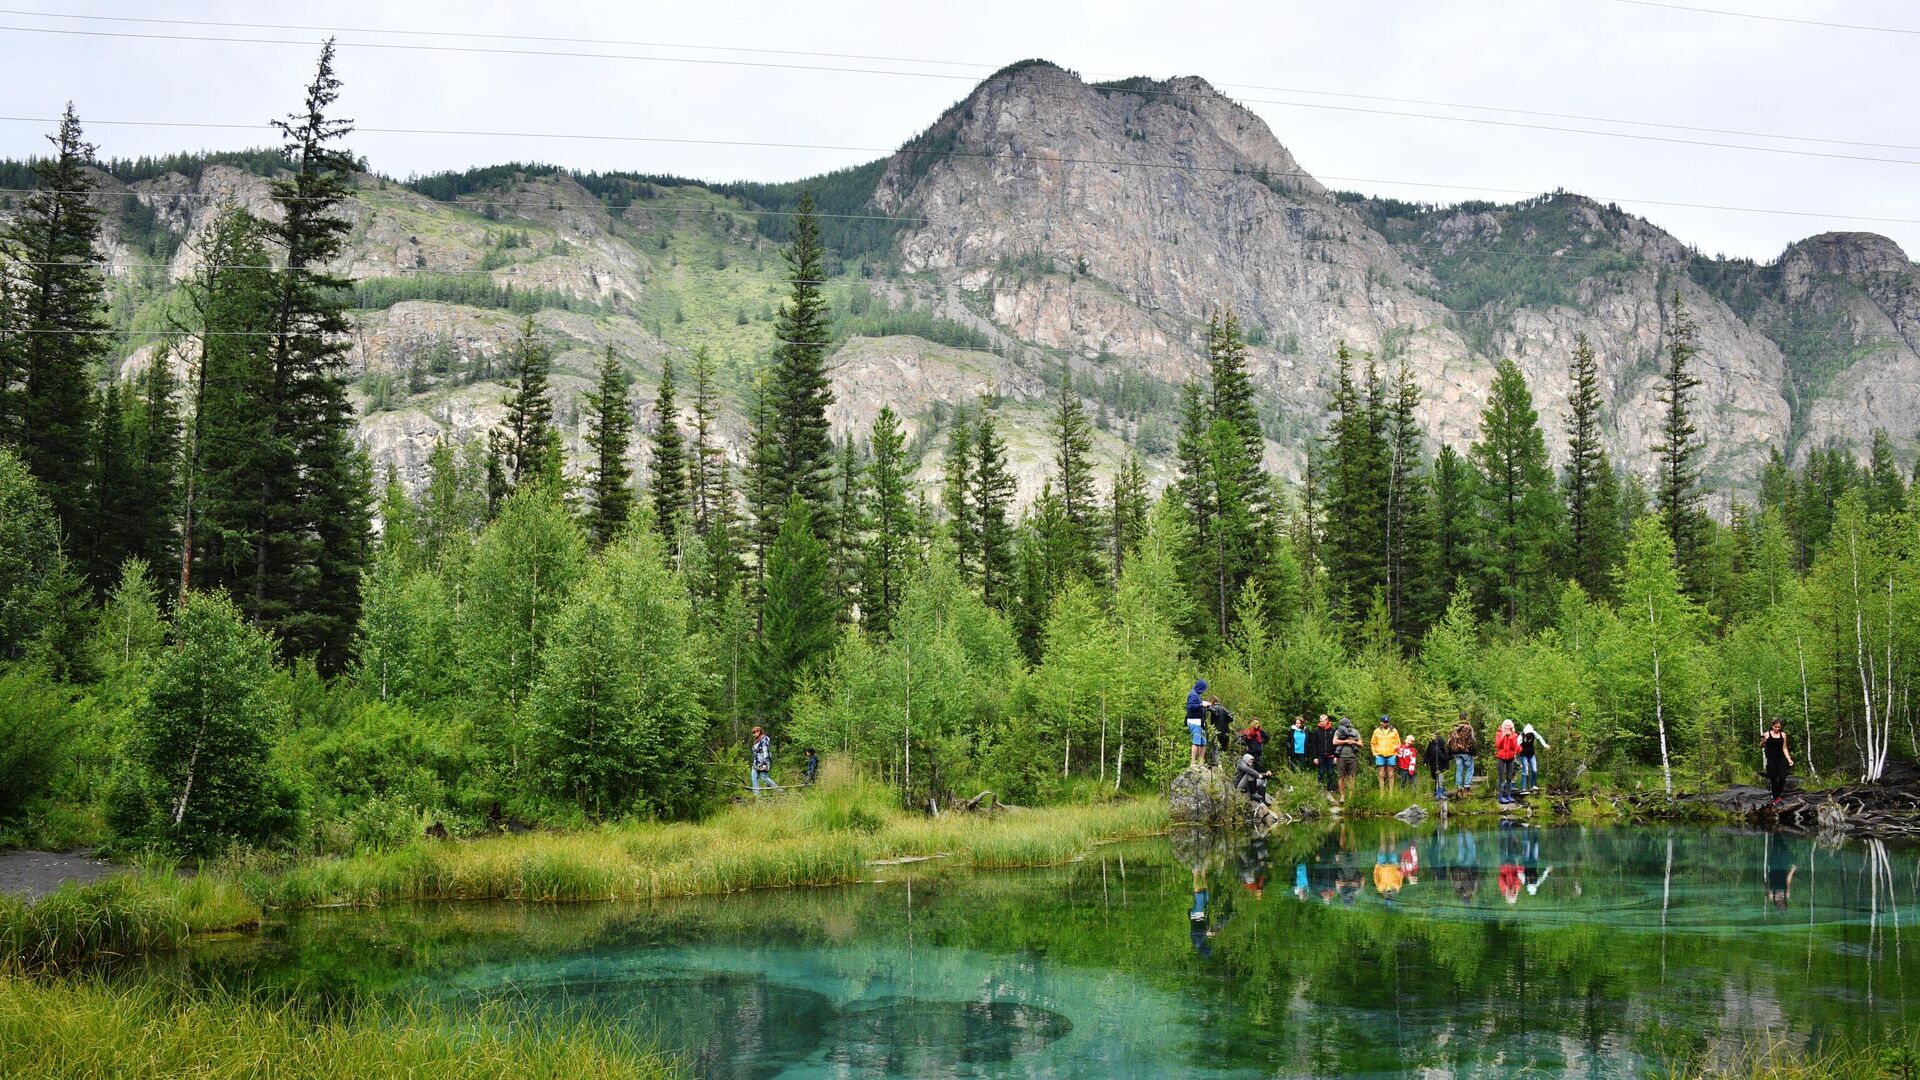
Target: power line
x: 491, y: 50
x: 1769, y: 18
x: 993, y: 156
x: 478, y: 35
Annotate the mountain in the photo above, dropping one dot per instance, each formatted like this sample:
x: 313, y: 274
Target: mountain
x: 1045, y: 224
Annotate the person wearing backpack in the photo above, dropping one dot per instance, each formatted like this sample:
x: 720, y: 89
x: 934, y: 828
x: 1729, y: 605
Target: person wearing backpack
x: 1531, y: 742
x: 1222, y: 741
x: 1463, y: 746
x: 1439, y: 752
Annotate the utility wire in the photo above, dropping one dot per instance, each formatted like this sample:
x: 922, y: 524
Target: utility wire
x: 938, y: 75
x: 978, y: 65
x: 995, y: 156
x: 1769, y: 18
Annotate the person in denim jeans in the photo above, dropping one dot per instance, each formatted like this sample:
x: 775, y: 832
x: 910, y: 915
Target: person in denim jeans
x: 1463, y: 745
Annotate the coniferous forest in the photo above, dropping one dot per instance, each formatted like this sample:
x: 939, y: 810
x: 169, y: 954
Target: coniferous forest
x: 219, y: 628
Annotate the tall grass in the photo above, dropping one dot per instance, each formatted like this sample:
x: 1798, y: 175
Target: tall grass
x: 830, y: 838
x: 119, y: 916
x: 1897, y: 1058
x: 84, y: 1029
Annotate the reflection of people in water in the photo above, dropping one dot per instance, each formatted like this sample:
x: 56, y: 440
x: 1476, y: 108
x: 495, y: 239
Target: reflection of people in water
x: 1780, y: 884
x: 1197, y: 915
x: 1253, y: 866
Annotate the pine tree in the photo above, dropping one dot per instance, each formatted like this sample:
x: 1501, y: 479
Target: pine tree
x: 992, y: 490
x: 797, y: 620
x: 887, y: 558
x: 846, y: 551
x: 763, y: 490
x: 1677, y: 493
x: 1409, y: 607
x: 526, y: 436
x: 1517, y: 506
x: 106, y: 533
x: 1358, y: 473
x: 1586, y: 523
x: 1128, y: 502
x: 60, y: 321
x: 722, y: 566
x: 1452, y: 512
x: 957, y: 497
x: 305, y: 582
x: 609, y: 433
x: 703, y: 464
x: 668, y: 466
x: 157, y: 464
x: 1073, y: 484
x: 1886, y: 489
x: 800, y: 391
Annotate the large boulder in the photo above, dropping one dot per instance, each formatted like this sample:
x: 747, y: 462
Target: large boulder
x: 1201, y: 796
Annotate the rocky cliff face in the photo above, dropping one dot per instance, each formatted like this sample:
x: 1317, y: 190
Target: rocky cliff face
x: 1054, y: 225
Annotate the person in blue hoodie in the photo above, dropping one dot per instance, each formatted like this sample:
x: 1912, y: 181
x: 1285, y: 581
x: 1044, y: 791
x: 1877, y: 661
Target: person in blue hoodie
x: 1197, y: 722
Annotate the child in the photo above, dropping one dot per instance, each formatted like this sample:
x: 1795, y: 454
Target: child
x: 1407, y: 759
x: 812, y: 766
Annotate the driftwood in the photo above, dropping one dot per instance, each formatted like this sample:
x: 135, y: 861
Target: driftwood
x: 1877, y: 810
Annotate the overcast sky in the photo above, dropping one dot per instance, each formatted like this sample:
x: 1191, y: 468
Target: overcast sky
x: 1596, y: 58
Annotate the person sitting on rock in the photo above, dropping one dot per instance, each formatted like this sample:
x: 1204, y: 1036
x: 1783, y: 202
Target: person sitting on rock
x: 1251, y: 779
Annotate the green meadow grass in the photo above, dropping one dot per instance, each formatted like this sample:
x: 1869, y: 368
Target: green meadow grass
x: 147, y: 911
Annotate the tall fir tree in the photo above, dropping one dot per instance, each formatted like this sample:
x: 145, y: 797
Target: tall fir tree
x: 667, y: 465
x: 846, y: 550
x: 609, y: 436
x: 763, y: 490
x: 1127, y: 506
x: 1409, y: 606
x: 1677, y: 488
x: 890, y: 515
x: 797, y: 620
x: 958, y: 499
x: 992, y: 488
x: 157, y: 464
x: 526, y: 438
x: 306, y: 579
x: 1452, y: 513
x: 800, y: 391
x: 59, y: 342
x: 1358, y: 469
x: 105, y: 534
x: 1588, y: 525
x: 1517, y: 504
x: 703, y: 461
x: 1886, y: 489
x: 1079, y: 535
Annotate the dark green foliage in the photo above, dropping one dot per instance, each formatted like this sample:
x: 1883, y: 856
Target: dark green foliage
x: 1075, y: 542
x: 473, y: 290
x: 887, y: 322
x: 846, y: 544
x: 1128, y: 524
x: 992, y: 489
x: 706, y: 454
x: 667, y: 465
x: 888, y: 550
x: 1886, y: 488
x: 1593, y: 536
x: 526, y: 441
x: 1357, y: 471
x: 1518, y: 510
x: 1410, y: 605
x: 58, y: 295
x: 1677, y: 486
x: 609, y: 431
x: 33, y: 572
x: 957, y: 497
x: 199, y: 774
x: 799, y: 390
x: 37, y: 723
x: 797, y: 620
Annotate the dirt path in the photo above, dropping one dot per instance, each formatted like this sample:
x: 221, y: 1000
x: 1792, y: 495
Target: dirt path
x: 34, y: 874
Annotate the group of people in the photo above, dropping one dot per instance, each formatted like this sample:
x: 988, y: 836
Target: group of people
x: 1333, y: 749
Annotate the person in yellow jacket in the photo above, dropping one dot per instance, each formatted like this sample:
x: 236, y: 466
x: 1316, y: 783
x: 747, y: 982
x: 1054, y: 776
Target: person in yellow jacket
x: 1386, y: 744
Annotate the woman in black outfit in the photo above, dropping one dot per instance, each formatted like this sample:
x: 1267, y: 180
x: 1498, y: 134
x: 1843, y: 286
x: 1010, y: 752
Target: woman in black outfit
x: 1773, y: 743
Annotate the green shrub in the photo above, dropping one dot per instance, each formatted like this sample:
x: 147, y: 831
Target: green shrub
x: 37, y: 723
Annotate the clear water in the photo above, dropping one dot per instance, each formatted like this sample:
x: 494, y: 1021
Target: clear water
x: 1371, y: 950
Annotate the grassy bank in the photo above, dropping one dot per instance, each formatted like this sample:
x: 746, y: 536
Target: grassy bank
x: 69, y: 1028
x: 1895, y: 1059
x: 828, y: 838
x: 144, y: 911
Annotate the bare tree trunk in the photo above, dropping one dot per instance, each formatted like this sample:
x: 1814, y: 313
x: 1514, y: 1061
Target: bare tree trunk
x: 906, y: 742
x: 1875, y: 756
x: 193, y: 760
x: 1103, y: 736
x: 1659, y: 708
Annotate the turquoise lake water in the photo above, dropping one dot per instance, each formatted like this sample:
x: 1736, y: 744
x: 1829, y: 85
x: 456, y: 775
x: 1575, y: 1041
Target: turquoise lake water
x: 1370, y: 951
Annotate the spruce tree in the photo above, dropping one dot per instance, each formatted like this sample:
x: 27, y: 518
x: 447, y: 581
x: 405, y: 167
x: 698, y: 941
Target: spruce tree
x: 800, y: 390
x: 1358, y: 472
x: 1517, y: 506
x: 797, y: 620
x: 1677, y: 490
x: 703, y: 462
x: 1886, y: 489
x: 609, y: 434
x: 305, y: 582
x: 887, y: 555
x: 526, y: 436
x: 668, y: 465
x: 992, y: 489
x: 1585, y: 459
x: 1452, y: 512
x: 107, y: 533
x: 763, y: 489
x: 1128, y: 513
x: 846, y: 552
x: 1409, y: 606
x: 957, y: 497
x: 157, y: 465
x: 1078, y: 538
x: 59, y: 299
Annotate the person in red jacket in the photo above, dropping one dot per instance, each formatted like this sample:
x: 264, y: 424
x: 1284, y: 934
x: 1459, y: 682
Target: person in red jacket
x: 1506, y: 747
